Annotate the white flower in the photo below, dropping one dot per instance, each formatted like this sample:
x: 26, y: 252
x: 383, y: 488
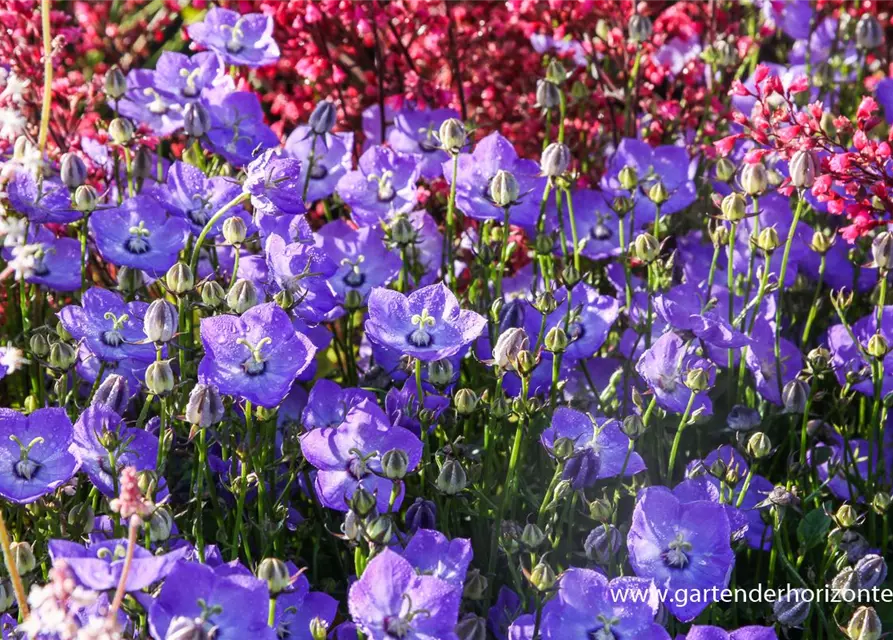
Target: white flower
x: 12, y: 124
x: 12, y: 359
x: 14, y: 88
x: 12, y: 231
x: 25, y: 260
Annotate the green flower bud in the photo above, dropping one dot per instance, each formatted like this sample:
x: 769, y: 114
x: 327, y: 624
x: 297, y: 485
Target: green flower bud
x: 241, y: 296
x: 319, y: 629
x: 881, y: 502
x: 381, y: 529
x: 212, y: 294
x: 526, y: 363
x: 821, y: 243
x: 160, y: 321
x: 545, y: 303
x: 601, y: 510
x: 697, y: 380
x: 794, y: 395
x: 179, y: 279
x: 754, y: 179
x: 633, y: 426
x: 85, y: 199
x: 353, y: 300
x: 452, y: 478
x: 129, y: 280
x: 639, y: 28
x: 275, y: 573
x: 556, y: 160
x: 453, y: 136
x: 646, y: 247
x: 39, y: 345
x: 658, y: 193
x: 734, y: 207
x: 466, y: 401
x: 476, y: 585
x: 532, y: 537
x: 759, y: 446
x: 864, y: 625
x: 143, y: 164
x: 725, y: 169
x: 877, y: 346
x: 548, y: 95
x: 402, y: 232
x: 115, y: 83
x: 504, y: 189
x: 394, y: 464
x: 542, y: 577
x: 160, y: 377
x: 768, y: 240
x: 628, y: 178
x: 882, y: 250
x: 62, y: 356
x: 556, y: 72
x: 234, y: 230
x: 80, y: 517
x: 440, y: 372
x: 121, y: 130
x: 556, y: 340
x: 563, y: 448
x: 362, y: 502
x: 846, y: 516
x: 803, y: 168
x: 160, y: 524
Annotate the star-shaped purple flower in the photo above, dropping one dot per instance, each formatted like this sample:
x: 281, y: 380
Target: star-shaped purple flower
x: 191, y: 195
x: 237, y: 127
x: 433, y: 554
x: 664, y: 367
x: 329, y: 158
x: 275, y: 182
x: 55, y: 260
x: 328, y: 404
x: 297, y: 607
x: 49, y: 202
x: 383, y: 186
x: 239, y: 39
x: 588, y: 323
x: 415, y: 133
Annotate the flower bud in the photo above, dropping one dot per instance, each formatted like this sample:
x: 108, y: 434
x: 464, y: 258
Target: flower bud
x: 882, y: 250
x: 869, y: 32
x: 658, y: 193
x: 556, y: 160
x: 646, y: 248
x: 73, y: 171
x: 639, y: 28
x: 601, y: 510
x: 563, y: 448
x: 113, y: 392
x: 143, y: 164
x: 792, y: 607
x: 794, y: 396
x: 803, y: 168
x: 545, y: 303
x: 160, y: 524
x: 476, y: 585
x: 532, y: 537
x: 556, y: 340
x: 571, y: 276
x: 322, y: 120
x: 235, y: 230
x: 846, y: 516
x: 743, y: 418
x: 440, y: 372
x: 628, y: 177
x: 768, y: 240
x: 510, y: 343
x: 542, y: 577
x: 864, y: 625
x: 452, y: 136
x: 725, y: 170
x: 504, y: 189
x: 23, y: 557
x: 821, y: 243
x: 872, y: 571
x: 85, y: 199
x: 160, y: 321
x: 62, y: 355
x: 602, y: 544
x: 196, y: 120
x: 881, y: 502
x: 877, y: 346
x: 555, y: 72
x: 394, y: 464
x: 633, y: 426
x: 421, y: 514
x: 548, y: 95
x: 179, y: 278
x: 697, y: 380
x: 115, y: 84
x: 362, y: 502
x: 471, y: 627
x: 39, y: 345
x: 759, y: 446
x: 275, y: 573
x: 160, y: 377
x: 754, y: 179
x: 205, y: 406
x: 319, y: 629
x: 403, y: 233
x: 81, y: 518
x: 381, y: 529
x: 466, y: 401
x: 452, y: 478
x: 241, y: 296
x: 212, y: 293
x: 733, y: 207
x: 121, y: 130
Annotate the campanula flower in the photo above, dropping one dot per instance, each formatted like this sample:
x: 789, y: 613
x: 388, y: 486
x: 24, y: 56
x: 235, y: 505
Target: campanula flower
x: 238, y: 129
x: 477, y: 169
x: 34, y: 453
x: 329, y: 404
x: 105, y: 446
x: 402, y: 407
x: 760, y: 359
x: 274, y: 181
x: 751, y: 632
x: 427, y: 249
x: 598, y: 226
x: 668, y: 544
x: 145, y: 102
x: 685, y: 308
x: 239, y: 39
x: 196, y: 198
x: 304, y: 270
x: 503, y: 612
x: 428, y: 324
x: 839, y: 465
x: 664, y: 367
x: 383, y: 186
x: 328, y: 158
x: 51, y: 261
x: 415, y: 133
x: 602, y: 439
x: 349, y: 456
x: 391, y: 600
x: 255, y: 356
x: 186, y: 78
x: 298, y: 606
x: 220, y: 602
x: 139, y: 235
x: 433, y: 554
x: 363, y: 259
x: 846, y: 356
x: 110, y: 327
x: 588, y: 322
x: 588, y: 605
x: 49, y: 202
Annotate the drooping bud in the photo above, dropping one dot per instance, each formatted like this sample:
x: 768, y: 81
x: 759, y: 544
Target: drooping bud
x: 115, y: 84
x: 179, y: 278
x: 639, y: 28
x: 556, y: 160
x: 121, y: 130
x: 241, y: 296
x: 452, y: 478
x: 160, y: 377
x: 205, y: 406
x: 633, y: 426
x: 196, y: 120
x: 509, y: 344
x: 160, y: 321
x: 803, y: 168
x: 471, y: 627
x: 322, y: 120
x: 869, y: 32
x: 113, y: 392
x: 792, y: 607
x: 452, y: 136
x: 743, y: 418
x: 734, y: 207
x: 72, y: 170
x: 754, y: 179
x: 548, y: 95
x: 275, y: 573
x: 504, y: 189
x: 602, y: 544
x: 532, y: 537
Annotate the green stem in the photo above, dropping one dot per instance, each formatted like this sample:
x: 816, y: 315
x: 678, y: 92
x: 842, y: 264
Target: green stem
x: 196, y: 250
x: 678, y: 438
x: 781, y: 288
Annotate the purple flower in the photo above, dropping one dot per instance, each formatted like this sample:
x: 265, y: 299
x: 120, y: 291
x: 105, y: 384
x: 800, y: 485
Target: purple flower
x: 427, y: 250
x: 304, y: 270
x: 598, y: 227
x: 433, y: 554
x: 664, y: 367
x: 104, y: 446
x: 391, y: 600
x: 589, y: 606
x: 139, y: 235
x: 187, y: 77
x: 110, y: 327
x: 55, y: 259
x: 197, y: 597
x: 706, y: 632
x: 683, y: 308
x: 669, y: 544
x: 256, y: 356
x: 477, y: 169
x: 402, y: 407
x: 428, y: 324
x: 415, y: 133
x: 237, y: 127
x: 99, y: 566
x: 49, y: 202
x: 329, y: 404
x: 363, y: 259
x: 604, y: 439
x: 760, y: 359
x: 34, y: 456
x: 588, y: 323
x: 297, y: 607
x: 383, y: 186
x: 349, y: 455
x: 667, y: 164
x: 196, y: 198
x: 794, y: 17
x: 239, y: 39
x: 328, y: 156
x: 147, y: 102
x: 274, y: 181
x: 846, y: 356
x: 506, y: 609
x: 846, y: 468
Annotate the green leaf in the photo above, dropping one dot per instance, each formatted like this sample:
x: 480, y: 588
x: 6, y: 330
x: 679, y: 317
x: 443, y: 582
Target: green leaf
x: 813, y: 529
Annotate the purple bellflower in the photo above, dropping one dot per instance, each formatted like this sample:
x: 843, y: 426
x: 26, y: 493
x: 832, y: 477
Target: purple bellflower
x: 415, y: 133
x: 274, y: 181
x: 237, y: 127
x: 588, y: 323
x: 433, y: 554
x: 752, y: 632
x: 664, y: 367
x: 242, y: 40
x: 383, y: 186
x: 196, y: 198
x: 49, y: 202
x: 329, y: 404
x: 297, y: 607
x: 328, y: 158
